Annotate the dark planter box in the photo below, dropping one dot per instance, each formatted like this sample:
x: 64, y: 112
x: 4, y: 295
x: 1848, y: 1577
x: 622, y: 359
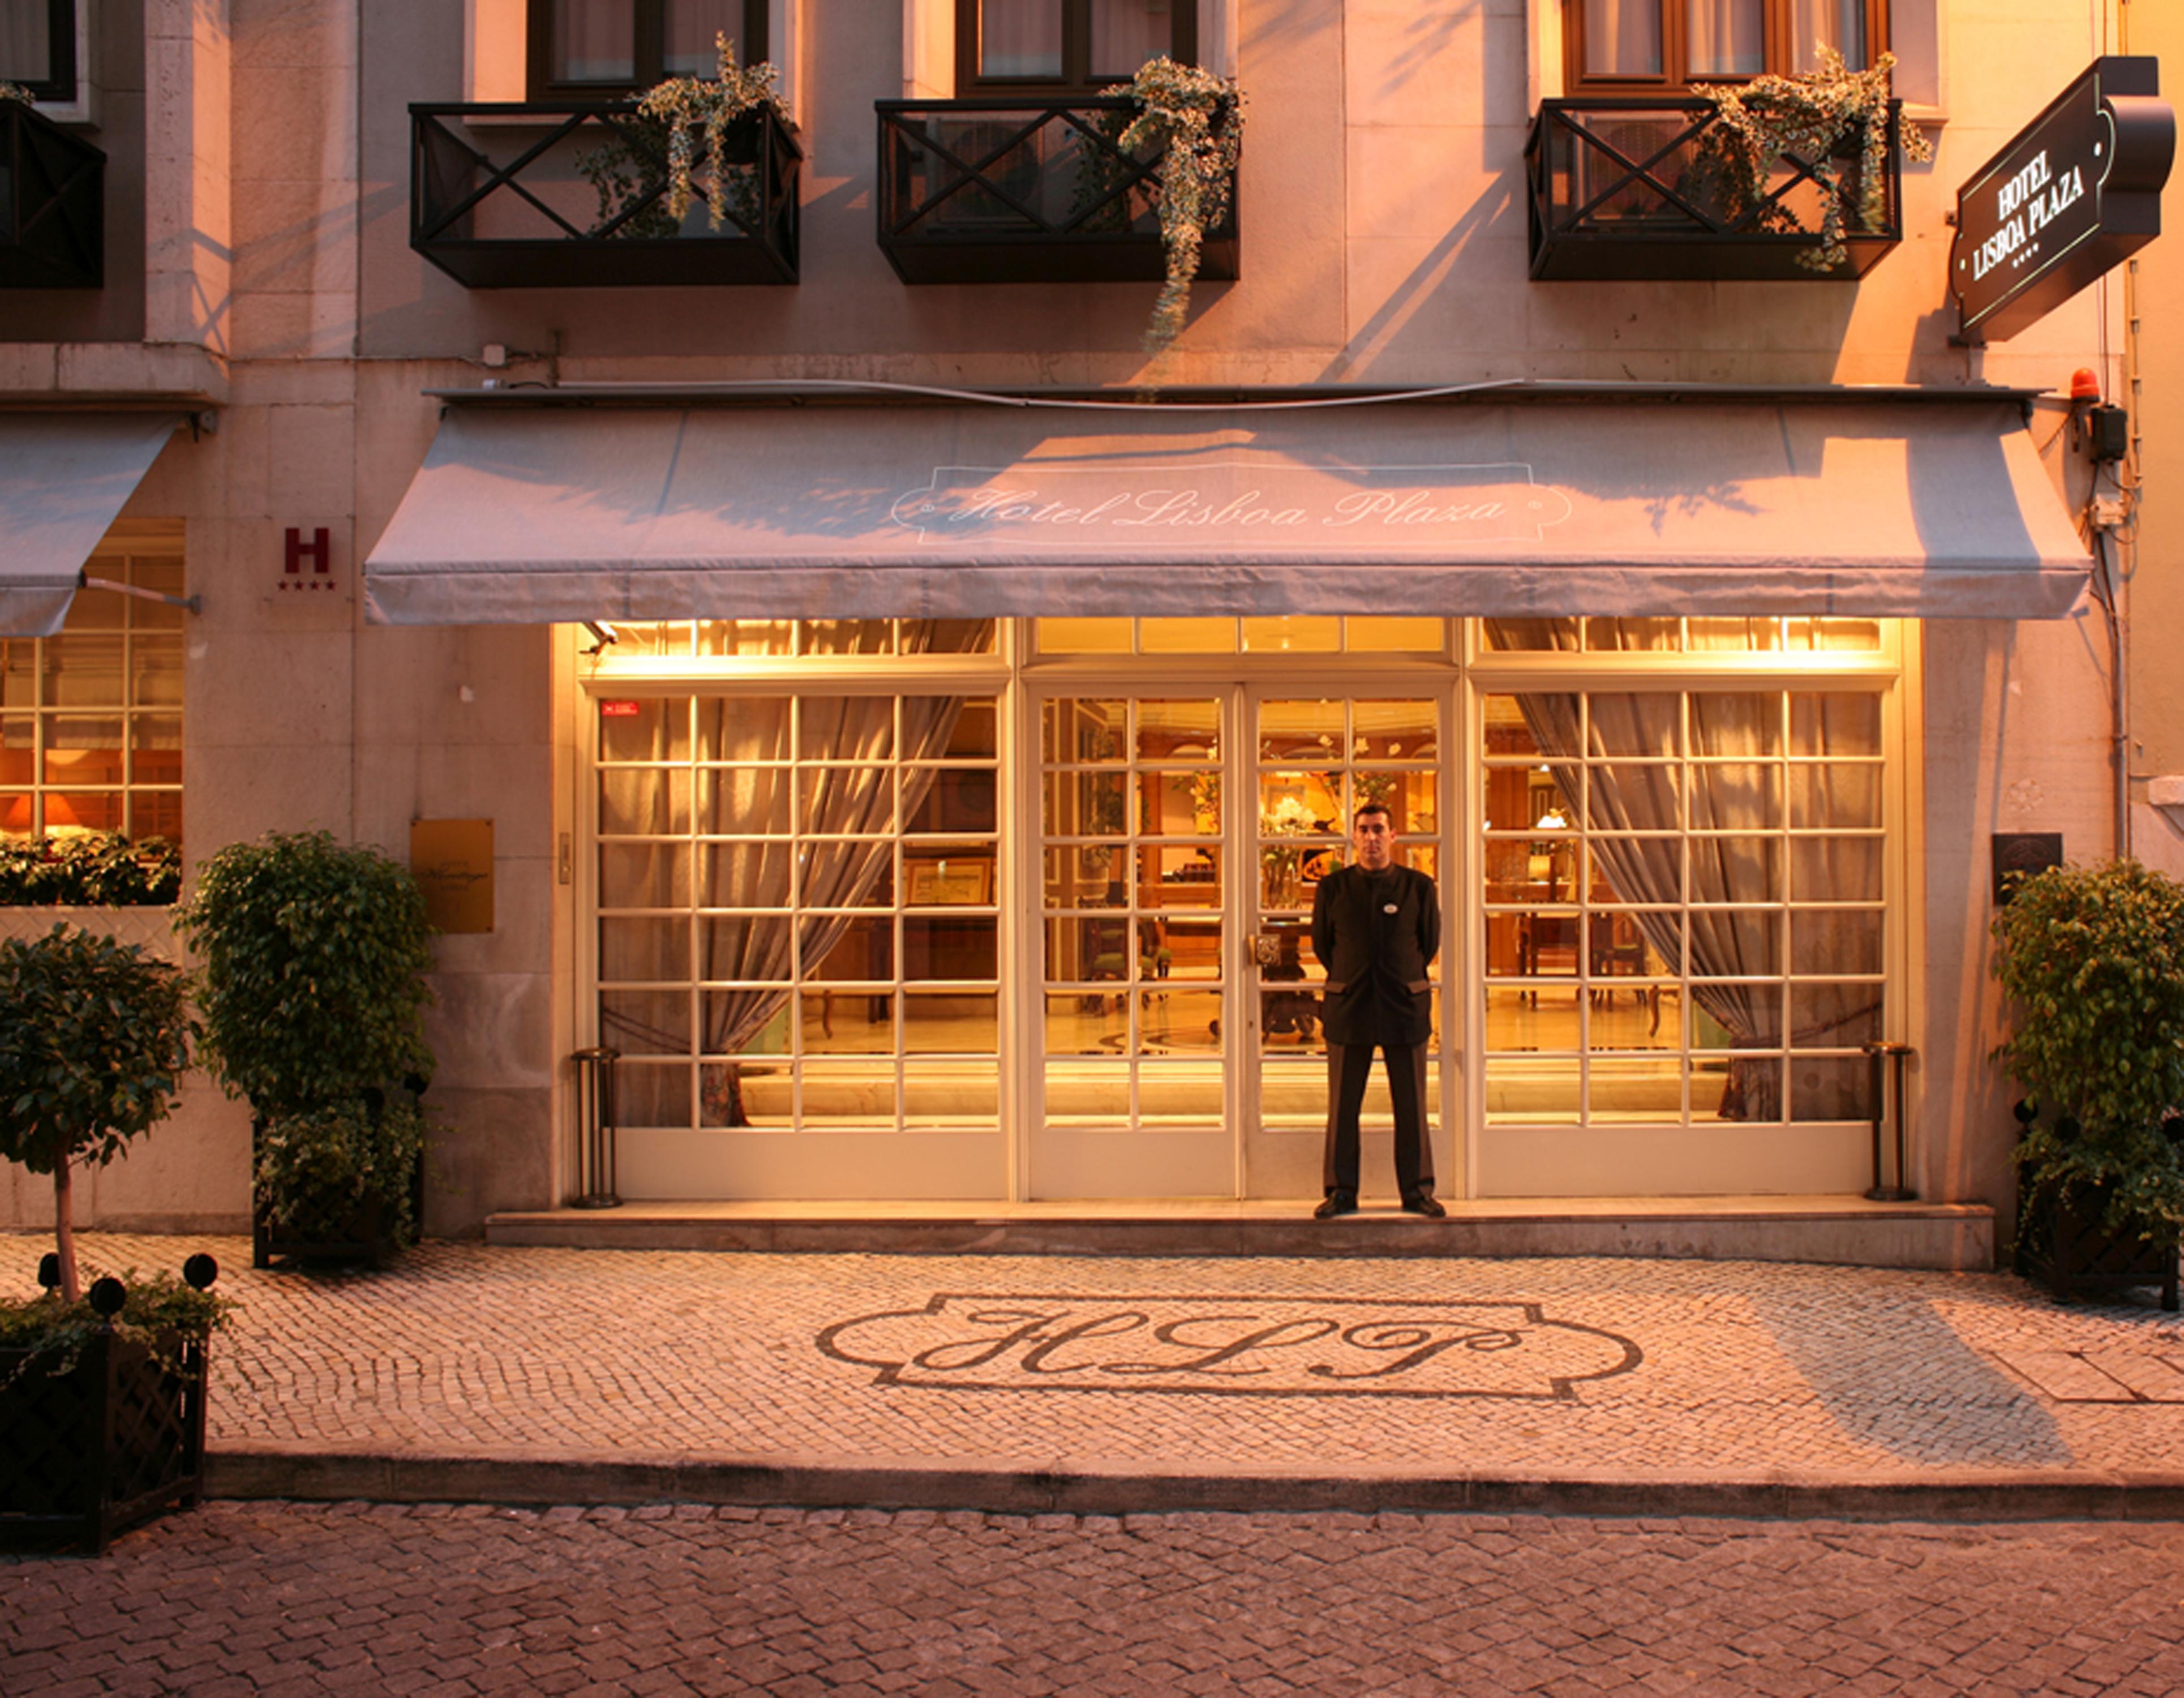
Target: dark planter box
x: 113, y: 1442
x: 2062, y: 1244
x: 330, y: 1226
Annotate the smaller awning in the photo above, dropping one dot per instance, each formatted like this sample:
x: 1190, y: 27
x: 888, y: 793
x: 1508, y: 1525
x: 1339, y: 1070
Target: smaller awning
x: 65, y: 478
x: 1851, y: 506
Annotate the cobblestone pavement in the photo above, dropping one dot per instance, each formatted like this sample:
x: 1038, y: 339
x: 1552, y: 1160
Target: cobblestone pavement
x: 1525, y: 1367
x: 280, y: 1598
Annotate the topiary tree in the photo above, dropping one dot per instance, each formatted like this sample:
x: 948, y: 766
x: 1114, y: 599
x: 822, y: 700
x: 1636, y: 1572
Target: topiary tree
x: 314, y: 955
x: 313, y: 995
x: 2094, y: 958
x: 92, y: 1049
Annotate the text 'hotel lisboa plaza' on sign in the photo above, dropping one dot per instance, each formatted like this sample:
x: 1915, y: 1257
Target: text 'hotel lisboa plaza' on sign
x: 2076, y: 192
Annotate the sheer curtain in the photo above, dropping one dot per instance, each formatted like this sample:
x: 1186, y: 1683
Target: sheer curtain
x: 1639, y: 769
x: 594, y: 41
x: 1725, y: 38
x: 1838, y: 23
x: 1623, y: 37
x: 1126, y: 33
x: 26, y: 47
x: 1020, y: 38
x: 691, y: 27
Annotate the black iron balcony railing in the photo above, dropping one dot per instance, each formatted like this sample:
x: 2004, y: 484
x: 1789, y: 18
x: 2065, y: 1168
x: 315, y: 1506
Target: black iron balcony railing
x: 575, y: 195
x: 1643, y: 187
x: 1001, y: 190
x: 52, y: 204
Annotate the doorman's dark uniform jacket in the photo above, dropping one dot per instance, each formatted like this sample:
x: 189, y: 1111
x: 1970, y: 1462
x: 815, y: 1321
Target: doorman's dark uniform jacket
x: 1377, y: 989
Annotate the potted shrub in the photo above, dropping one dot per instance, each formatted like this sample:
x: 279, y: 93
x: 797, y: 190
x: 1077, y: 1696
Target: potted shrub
x: 2094, y: 959
x: 313, y: 993
x: 102, y: 1396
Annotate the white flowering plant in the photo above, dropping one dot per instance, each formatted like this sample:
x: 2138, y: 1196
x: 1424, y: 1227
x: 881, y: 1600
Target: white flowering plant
x: 1810, y: 116
x: 1197, y: 118
x: 15, y: 91
x: 685, y: 121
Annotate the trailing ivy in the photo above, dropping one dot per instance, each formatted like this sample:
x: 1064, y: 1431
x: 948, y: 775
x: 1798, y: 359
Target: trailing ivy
x: 1197, y: 118
x: 91, y: 870
x: 678, y: 123
x: 1809, y: 114
x: 2093, y: 958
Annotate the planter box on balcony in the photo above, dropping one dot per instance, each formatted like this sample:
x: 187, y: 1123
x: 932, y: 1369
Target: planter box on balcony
x: 1624, y: 188
x: 115, y: 1441
x: 500, y: 198
x: 52, y: 204
x: 1000, y: 190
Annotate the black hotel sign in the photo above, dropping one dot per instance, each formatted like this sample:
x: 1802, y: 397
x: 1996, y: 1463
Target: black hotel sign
x: 2076, y: 192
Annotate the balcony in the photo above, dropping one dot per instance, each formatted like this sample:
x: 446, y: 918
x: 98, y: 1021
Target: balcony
x: 1004, y: 191
x: 52, y: 204
x: 543, y: 196
x: 1637, y: 187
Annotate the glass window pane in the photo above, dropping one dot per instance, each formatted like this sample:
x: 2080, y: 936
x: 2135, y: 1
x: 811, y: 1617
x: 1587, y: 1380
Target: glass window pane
x: 1020, y: 38
x: 642, y: 948
x: 1179, y: 1022
x: 1837, y: 794
x: 1635, y: 724
x: 1294, y: 635
x: 1531, y: 1088
x: 646, y: 1022
x: 653, y: 1095
x: 1835, y: 724
x: 155, y: 670
x: 1073, y: 730
x: 1838, y: 23
x: 719, y: 636
x: 1733, y: 795
x: 1734, y: 941
x: 1309, y: 730
x: 25, y: 42
x: 1084, y: 636
x: 1623, y: 37
x: 1394, y: 731
x: 1830, y: 1088
x: 962, y: 946
x: 938, y: 1093
x: 691, y: 26
x: 1186, y: 730
x: 1726, y: 37
x: 1836, y: 940
x: 644, y: 875
x: 744, y: 801
x: 594, y: 41
x: 649, y: 801
x: 84, y: 671
x: 1187, y: 636
x: 1395, y: 635
x: 845, y: 727
x: 747, y: 875
x: 954, y: 1024
x: 1835, y: 869
x: 1835, y: 1016
x: 846, y: 801
x: 644, y: 730
x: 1095, y: 1024
x: 1126, y: 33
x: 849, y: 637
x: 976, y: 734
x: 1731, y: 723
x: 955, y: 799
x: 94, y: 811
x: 833, y: 1022
x: 1636, y: 1092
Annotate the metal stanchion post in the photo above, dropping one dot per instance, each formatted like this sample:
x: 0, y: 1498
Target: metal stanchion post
x: 596, y: 1128
x: 1884, y: 1080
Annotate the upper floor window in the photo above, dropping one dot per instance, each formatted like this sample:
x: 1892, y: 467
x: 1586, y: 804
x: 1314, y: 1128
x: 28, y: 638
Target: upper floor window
x: 602, y: 48
x: 37, y: 47
x: 1067, y: 45
x: 1671, y: 43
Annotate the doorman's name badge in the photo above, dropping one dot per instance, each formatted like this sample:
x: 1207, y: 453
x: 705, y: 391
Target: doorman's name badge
x: 1390, y: 909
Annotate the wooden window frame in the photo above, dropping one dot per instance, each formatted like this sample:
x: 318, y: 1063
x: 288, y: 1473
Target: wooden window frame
x: 1674, y: 48
x: 1077, y: 76
x: 650, y: 50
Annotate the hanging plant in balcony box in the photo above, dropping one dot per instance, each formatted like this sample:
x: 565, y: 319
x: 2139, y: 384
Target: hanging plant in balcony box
x: 681, y: 125
x: 1811, y: 115
x: 1197, y: 118
x: 102, y: 1412
x: 313, y: 996
x: 2094, y: 959
x: 15, y: 91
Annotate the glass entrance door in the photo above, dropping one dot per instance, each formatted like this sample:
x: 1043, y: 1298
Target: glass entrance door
x: 1314, y: 761
x: 1181, y: 1050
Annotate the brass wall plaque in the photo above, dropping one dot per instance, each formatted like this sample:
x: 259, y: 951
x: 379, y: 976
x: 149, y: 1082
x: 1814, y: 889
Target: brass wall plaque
x: 452, y: 861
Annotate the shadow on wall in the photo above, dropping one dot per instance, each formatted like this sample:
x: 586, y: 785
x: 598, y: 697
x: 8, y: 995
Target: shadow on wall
x: 1895, y: 1376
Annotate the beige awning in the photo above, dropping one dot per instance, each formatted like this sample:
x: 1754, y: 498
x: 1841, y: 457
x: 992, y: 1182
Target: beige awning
x: 64, y: 479
x: 1733, y: 507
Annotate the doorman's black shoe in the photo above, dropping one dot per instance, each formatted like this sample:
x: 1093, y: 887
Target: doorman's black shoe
x: 1425, y: 1203
x: 1337, y: 1202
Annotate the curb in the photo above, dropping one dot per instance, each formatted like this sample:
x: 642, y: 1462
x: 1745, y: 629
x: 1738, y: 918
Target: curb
x: 834, y: 1483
